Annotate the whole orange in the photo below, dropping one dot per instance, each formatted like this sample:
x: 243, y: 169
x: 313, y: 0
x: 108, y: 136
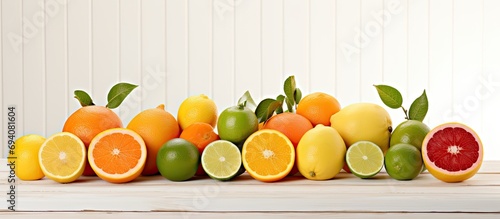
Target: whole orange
x: 292, y: 125
x: 89, y: 121
x: 318, y: 108
x: 200, y: 134
x: 156, y: 126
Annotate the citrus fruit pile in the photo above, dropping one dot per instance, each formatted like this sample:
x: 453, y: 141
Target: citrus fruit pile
x: 312, y: 137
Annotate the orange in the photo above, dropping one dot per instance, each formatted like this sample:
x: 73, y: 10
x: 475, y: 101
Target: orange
x: 268, y: 155
x: 117, y: 155
x: 156, y: 126
x: 294, y: 126
x: 318, y: 108
x: 89, y: 121
x: 200, y: 134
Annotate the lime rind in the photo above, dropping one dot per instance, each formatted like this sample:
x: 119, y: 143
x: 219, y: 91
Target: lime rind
x: 221, y: 160
x: 365, y: 159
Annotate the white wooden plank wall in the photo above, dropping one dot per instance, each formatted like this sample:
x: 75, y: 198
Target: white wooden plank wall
x: 177, y: 48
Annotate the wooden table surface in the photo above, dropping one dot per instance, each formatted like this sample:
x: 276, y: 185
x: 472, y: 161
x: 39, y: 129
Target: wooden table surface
x: 344, y: 196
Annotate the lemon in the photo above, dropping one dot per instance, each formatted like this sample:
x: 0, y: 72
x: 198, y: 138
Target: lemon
x: 26, y: 153
x: 198, y: 108
x: 320, y: 153
x: 363, y: 122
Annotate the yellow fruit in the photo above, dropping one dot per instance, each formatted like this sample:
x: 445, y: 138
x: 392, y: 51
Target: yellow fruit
x: 363, y: 122
x: 320, y: 153
x: 26, y: 153
x: 156, y: 126
x: 62, y: 157
x: 197, y: 108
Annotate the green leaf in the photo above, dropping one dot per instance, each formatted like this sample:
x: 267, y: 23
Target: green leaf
x: 266, y: 109
x: 118, y: 93
x: 419, y: 107
x: 390, y: 96
x: 247, y: 100
x: 289, y: 88
x: 83, y: 98
x: 297, y: 95
x: 280, y: 98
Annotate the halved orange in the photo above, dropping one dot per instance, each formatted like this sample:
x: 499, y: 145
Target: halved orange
x: 268, y: 155
x: 117, y: 155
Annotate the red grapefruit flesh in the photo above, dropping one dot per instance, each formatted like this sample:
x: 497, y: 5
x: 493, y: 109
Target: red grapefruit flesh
x: 452, y: 152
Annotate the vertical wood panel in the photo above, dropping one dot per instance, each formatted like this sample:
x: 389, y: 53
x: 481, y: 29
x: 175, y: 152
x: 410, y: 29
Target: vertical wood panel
x: 296, y: 42
x: 348, y: 52
x: 322, y: 46
x: 440, y: 62
x: 34, y: 67
x: 12, y: 64
x: 153, y: 53
x: 371, y: 53
x: 79, y: 50
x: 248, y: 71
x: 130, y: 55
x: 272, y: 48
x: 223, y: 54
x: 467, y: 50
x: 56, y: 66
x: 491, y: 67
x: 395, y: 68
x: 105, y: 48
x: 177, y: 53
x: 418, y: 48
x: 2, y: 106
x: 200, y: 47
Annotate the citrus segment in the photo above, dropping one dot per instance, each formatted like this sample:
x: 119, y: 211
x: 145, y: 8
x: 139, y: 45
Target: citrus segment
x: 117, y: 155
x: 268, y: 155
x: 452, y: 152
x: 62, y: 157
x: 221, y: 160
x: 365, y: 159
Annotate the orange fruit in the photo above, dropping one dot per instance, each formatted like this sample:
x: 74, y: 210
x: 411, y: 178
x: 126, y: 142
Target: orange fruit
x: 89, y: 121
x: 318, y: 108
x: 117, y: 155
x: 292, y: 125
x: 156, y: 126
x: 268, y: 155
x: 200, y: 134
x: 452, y: 152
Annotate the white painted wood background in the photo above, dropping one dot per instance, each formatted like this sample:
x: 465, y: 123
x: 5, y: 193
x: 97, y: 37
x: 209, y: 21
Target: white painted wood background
x: 177, y: 48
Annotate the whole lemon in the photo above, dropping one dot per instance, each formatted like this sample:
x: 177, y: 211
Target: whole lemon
x: 363, y: 122
x: 27, y: 166
x: 198, y: 108
x: 320, y: 153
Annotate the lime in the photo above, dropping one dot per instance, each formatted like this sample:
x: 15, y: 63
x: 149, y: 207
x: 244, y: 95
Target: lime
x: 403, y: 161
x: 178, y: 159
x: 27, y: 166
x: 236, y: 123
x: 221, y: 160
x: 410, y: 132
x: 365, y: 159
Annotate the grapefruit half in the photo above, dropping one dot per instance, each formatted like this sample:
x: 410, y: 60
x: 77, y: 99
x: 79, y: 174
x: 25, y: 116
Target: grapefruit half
x: 452, y: 152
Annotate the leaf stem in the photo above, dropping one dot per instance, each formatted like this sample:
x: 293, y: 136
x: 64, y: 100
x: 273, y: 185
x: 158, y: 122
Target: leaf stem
x: 406, y: 113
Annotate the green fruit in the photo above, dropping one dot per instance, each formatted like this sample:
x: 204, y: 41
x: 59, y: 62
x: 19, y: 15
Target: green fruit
x: 365, y: 159
x: 236, y: 123
x: 410, y: 132
x: 178, y: 159
x: 403, y: 161
x: 221, y: 160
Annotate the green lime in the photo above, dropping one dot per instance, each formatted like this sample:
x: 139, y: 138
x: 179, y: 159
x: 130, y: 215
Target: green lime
x: 403, y: 161
x: 365, y: 159
x: 221, y: 160
x: 236, y: 123
x: 410, y: 132
x: 178, y: 159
